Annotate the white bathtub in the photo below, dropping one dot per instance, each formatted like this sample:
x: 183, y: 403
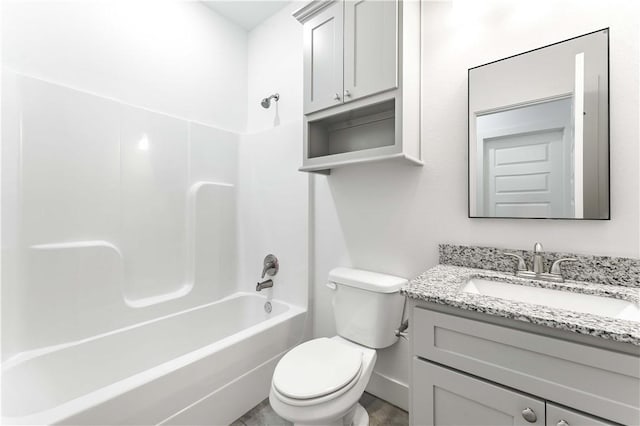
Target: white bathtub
x: 206, y: 365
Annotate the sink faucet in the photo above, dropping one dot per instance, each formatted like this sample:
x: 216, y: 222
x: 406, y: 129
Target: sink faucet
x: 537, y: 266
x: 538, y: 261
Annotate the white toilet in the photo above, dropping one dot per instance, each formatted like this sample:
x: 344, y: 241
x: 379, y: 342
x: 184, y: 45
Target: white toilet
x: 319, y: 382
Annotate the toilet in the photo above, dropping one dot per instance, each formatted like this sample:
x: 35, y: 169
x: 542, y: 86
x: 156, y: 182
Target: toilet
x: 319, y: 382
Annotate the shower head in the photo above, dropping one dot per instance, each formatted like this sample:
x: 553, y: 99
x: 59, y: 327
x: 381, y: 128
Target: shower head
x: 266, y: 102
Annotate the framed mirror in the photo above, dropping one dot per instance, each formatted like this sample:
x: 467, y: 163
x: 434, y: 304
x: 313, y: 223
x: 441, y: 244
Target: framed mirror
x: 539, y: 132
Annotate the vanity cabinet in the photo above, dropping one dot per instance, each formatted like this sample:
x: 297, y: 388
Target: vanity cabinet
x: 448, y: 397
x: 561, y: 416
x: 492, y: 372
x: 361, y: 82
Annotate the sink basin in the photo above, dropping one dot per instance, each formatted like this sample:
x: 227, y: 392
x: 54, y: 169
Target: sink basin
x: 562, y: 299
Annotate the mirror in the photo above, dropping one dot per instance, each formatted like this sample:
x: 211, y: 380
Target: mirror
x: 539, y: 132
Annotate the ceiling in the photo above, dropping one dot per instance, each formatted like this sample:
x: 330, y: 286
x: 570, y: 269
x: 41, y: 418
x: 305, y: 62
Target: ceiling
x: 246, y: 13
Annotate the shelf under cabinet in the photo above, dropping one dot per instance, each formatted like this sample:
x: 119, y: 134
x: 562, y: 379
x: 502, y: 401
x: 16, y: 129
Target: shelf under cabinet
x: 354, y: 130
x: 358, y: 135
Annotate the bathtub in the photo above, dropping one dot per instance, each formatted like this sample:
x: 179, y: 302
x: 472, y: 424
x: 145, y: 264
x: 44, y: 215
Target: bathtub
x: 206, y: 365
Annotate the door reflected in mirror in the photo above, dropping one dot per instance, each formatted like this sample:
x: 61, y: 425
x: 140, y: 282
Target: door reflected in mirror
x: 539, y: 133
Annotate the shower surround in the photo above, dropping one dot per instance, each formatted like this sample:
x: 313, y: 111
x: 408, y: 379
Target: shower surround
x: 120, y: 272
x: 122, y: 214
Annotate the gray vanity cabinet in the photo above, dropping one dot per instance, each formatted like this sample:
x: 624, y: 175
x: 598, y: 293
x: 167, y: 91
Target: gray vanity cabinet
x: 443, y: 396
x: 561, y: 416
x: 446, y: 397
x: 472, y: 369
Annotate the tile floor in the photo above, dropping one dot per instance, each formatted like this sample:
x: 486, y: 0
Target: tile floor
x: 381, y: 413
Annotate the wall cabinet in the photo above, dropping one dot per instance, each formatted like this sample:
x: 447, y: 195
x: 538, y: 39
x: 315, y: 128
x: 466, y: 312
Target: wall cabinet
x: 323, y: 59
x: 370, y: 47
x: 350, y: 52
x: 492, y: 373
x: 361, y: 82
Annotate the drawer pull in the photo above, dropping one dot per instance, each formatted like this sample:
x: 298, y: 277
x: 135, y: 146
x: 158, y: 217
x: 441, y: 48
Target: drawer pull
x: 529, y: 415
x: 562, y: 423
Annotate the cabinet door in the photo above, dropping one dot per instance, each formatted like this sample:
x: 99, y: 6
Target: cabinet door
x: 370, y: 47
x: 446, y: 397
x: 560, y: 416
x: 323, y: 64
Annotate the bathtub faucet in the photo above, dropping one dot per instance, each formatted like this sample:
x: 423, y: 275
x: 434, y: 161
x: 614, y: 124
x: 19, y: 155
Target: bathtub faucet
x: 264, y: 284
x: 270, y: 265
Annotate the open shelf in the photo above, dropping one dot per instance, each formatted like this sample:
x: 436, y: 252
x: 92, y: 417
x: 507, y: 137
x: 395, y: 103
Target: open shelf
x: 369, y: 127
x: 363, y: 131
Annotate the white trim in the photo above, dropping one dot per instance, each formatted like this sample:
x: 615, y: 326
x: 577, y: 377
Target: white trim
x: 310, y: 9
x: 518, y: 105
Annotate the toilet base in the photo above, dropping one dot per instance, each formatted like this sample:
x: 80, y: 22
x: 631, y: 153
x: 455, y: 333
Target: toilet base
x: 357, y: 416
x: 360, y: 417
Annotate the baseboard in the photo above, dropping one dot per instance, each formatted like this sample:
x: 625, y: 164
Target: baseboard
x: 389, y: 389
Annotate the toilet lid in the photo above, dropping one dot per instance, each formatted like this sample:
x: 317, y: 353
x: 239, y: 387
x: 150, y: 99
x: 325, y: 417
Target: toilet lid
x: 316, y: 368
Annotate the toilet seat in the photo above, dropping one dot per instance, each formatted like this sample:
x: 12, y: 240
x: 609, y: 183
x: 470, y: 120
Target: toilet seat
x: 317, y: 370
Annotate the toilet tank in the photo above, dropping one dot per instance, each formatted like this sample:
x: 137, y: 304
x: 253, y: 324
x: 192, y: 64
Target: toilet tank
x: 367, y: 306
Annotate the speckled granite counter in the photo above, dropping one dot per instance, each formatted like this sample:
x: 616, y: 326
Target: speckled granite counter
x: 442, y: 284
x: 588, y: 268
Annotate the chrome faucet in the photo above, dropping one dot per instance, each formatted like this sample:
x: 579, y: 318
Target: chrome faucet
x: 270, y: 266
x: 537, y: 266
x: 538, y: 261
x: 264, y: 284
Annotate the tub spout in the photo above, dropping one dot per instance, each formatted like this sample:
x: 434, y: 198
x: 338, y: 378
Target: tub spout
x: 264, y: 284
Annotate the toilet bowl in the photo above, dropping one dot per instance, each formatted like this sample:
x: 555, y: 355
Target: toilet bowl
x: 320, y: 382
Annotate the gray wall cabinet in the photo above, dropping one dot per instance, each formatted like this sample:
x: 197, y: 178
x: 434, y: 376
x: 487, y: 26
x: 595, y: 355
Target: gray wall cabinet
x: 323, y: 59
x: 361, y: 82
x: 477, y: 371
x: 370, y: 47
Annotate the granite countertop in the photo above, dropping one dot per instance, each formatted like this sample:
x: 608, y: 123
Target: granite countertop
x: 442, y: 285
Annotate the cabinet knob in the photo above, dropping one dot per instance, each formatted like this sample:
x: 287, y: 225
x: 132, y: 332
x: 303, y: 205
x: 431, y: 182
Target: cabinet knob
x: 347, y: 94
x: 562, y: 423
x: 529, y: 415
x: 336, y: 97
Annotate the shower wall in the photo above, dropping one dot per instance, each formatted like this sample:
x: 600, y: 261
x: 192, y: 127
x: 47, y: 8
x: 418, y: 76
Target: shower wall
x: 119, y: 214
x: 273, y: 195
x: 120, y: 131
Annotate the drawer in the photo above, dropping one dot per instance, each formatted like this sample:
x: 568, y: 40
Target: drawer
x: 561, y: 416
x: 594, y: 380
